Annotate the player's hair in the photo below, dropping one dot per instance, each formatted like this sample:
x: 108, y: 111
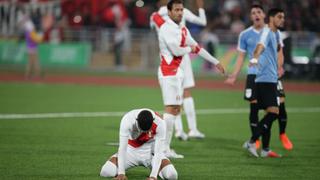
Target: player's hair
x: 171, y: 2
x: 256, y: 6
x: 145, y: 120
x: 273, y: 11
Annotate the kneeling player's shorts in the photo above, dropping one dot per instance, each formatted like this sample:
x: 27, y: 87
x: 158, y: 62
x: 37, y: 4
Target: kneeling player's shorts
x: 138, y: 157
x: 280, y: 89
x: 250, y: 89
x: 267, y: 95
x: 171, y: 88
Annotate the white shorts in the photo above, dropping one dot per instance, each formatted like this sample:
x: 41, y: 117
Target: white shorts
x: 171, y: 88
x: 188, y: 80
x: 138, y: 157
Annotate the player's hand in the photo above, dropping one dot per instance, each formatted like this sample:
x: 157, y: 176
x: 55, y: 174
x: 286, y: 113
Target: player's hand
x: 121, y: 177
x: 280, y: 72
x: 151, y: 178
x: 200, y: 3
x: 231, y: 79
x: 193, y: 49
x: 253, y: 62
x: 220, y: 68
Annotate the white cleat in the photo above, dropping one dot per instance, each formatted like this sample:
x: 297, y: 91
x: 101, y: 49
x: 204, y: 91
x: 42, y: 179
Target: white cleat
x: 196, y: 134
x: 171, y: 154
x: 251, y: 147
x: 181, y: 135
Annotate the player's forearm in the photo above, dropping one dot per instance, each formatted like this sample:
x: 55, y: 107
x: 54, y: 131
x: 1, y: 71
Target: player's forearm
x: 179, y: 51
x: 158, y: 153
x: 205, y: 55
x: 258, y: 51
x: 202, y: 17
x: 123, y: 143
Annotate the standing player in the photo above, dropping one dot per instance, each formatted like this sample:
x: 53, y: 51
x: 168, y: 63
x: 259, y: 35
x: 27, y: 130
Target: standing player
x: 141, y: 143
x: 266, y: 57
x: 156, y: 20
x: 248, y: 40
x: 175, y: 41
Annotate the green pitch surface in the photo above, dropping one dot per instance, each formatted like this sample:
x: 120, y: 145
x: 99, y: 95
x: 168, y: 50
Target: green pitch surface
x: 76, y: 146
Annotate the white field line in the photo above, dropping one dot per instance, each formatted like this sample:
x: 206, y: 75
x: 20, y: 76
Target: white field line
x: 118, y: 114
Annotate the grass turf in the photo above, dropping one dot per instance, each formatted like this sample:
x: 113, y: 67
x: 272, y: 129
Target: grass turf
x: 76, y: 148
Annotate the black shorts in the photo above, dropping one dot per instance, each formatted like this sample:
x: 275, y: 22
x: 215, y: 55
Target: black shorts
x: 280, y: 89
x: 250, y: 89
x: 267, y: 95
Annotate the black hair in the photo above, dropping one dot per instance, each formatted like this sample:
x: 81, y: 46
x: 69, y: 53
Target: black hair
x: 145, y: 120
x: 171, y: 2
x: 274, y: 11
x: 256, y: 6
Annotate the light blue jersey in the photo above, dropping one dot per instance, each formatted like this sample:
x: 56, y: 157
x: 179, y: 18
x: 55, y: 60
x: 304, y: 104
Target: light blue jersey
x: 247, y: 42
x: 268, y: 60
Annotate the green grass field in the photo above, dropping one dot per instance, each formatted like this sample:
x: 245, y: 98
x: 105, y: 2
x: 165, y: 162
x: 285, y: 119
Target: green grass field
x: 76, y: 147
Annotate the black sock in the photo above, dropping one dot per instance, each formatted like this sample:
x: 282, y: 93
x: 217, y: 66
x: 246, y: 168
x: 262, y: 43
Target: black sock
x: 264, y: 129
x: 282, y: 118
x: 253, y: 117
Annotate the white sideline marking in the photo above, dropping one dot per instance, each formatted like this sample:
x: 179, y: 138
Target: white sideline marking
x: 118, y: 114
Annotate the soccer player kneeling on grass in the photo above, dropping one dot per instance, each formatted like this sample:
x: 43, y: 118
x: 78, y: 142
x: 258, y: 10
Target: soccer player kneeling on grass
x: 141, y: 143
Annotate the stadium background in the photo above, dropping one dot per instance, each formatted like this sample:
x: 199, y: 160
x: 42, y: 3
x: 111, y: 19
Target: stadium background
x: 65, y: 124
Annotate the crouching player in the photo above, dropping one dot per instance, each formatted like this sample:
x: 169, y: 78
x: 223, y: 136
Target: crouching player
x: 141, y: 143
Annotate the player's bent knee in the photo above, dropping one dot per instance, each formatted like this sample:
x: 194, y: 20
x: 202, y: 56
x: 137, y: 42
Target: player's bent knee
x: 108, y: 170
x: 169, y: 172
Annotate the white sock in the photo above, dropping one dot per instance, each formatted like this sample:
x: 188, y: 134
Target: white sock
x: 169, y: 119
x: 189, y: 109
x: 168, y: 172
x: 109, y: 170
x: 178, y: 124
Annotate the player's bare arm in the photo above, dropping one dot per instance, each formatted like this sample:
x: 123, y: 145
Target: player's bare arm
x: 256, y: 55
x: 239, y: 63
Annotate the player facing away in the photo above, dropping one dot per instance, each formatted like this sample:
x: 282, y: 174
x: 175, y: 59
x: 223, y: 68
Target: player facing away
x: 247, y: 42
x: 175, y: 41
x: 141, y: 143
x: 156, y: 21
x: 265, y: 56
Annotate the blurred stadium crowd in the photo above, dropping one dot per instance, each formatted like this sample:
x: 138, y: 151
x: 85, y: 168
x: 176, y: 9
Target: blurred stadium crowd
x: 99, y: 21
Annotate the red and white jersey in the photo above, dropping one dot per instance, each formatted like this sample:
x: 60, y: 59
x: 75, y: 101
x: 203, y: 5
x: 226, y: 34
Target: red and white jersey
x: 174, y: 42
x: 159, y: 17
x: 136, y: 138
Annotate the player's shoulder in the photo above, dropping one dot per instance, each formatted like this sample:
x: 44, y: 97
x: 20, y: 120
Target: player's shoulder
x: 246, y: 31
x: 163, y: 10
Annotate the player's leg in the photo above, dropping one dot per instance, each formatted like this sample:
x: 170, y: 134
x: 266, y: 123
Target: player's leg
x: 179, y: 132
x: 267, y: 99
x: 110, y: 168
x: 250, y: 95
x: 188, y: 102
x: 167, y: 170
x: 171, y: 88
x: 283, y: 118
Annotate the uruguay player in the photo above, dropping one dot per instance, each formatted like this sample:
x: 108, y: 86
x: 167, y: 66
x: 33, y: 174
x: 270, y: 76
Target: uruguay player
x: 265, y: 56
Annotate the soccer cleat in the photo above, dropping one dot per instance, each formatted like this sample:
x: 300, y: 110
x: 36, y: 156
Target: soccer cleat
x: 270, y: 154
x: 196, y: 134
x: 181, y: 135
x: 258, y: 144
x: 171, y: 154
x: 286, y: 143
x: 251, y: 147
